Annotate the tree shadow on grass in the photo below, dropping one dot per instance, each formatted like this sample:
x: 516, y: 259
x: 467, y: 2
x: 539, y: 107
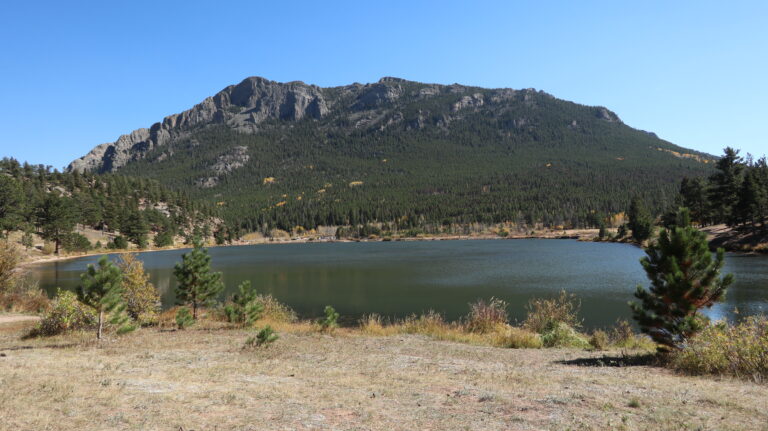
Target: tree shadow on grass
x: 643, y: 360
x: 47, y: 346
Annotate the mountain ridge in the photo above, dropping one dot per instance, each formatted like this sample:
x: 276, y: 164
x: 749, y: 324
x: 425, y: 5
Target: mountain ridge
x: 296, y: 101
x: 294, y: 154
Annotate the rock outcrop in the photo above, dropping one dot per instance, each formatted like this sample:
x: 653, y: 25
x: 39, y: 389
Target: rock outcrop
x: 243, y: 106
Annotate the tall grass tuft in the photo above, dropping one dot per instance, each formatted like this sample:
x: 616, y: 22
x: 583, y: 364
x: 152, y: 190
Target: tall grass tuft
x: 543, y: 314
x: 275, y: 310
x: 485, y: 316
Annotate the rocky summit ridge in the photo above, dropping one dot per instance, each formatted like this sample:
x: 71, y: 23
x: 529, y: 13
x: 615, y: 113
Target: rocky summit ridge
x: 246, y: 107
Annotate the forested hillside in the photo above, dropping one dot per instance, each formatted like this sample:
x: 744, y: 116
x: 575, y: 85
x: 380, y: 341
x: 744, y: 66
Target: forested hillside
x: 44, y: 203
x: 286, y: 155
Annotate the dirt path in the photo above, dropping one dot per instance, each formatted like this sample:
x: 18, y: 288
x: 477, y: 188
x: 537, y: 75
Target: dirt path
x: 15, y: 318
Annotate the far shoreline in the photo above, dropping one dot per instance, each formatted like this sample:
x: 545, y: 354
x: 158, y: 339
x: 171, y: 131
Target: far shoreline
x: 575, y: 234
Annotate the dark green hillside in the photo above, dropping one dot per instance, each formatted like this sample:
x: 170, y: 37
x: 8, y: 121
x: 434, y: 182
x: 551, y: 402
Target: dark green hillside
x: 37, y: 200
x: 412, y: 153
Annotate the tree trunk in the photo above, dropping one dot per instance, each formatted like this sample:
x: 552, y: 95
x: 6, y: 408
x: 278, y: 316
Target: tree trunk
x: 101, y: 320
x: 56, y: 241
x: 194, y: 310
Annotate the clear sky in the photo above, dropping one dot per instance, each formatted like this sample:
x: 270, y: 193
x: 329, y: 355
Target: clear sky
x: 77, y: 74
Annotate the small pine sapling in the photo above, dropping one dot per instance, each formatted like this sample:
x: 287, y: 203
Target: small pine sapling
x: 330, y: 321
x: 198, y: 285
x: 245, y: 307
x: 263, y: 338
x: 184, y: 318
x: 101, y: 289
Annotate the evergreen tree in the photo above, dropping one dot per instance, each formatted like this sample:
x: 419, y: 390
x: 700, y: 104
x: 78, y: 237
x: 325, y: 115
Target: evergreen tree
x: 197, y: 285
x: 56, y: 218
x: 101, y: 288
x: 245, y: 307
x: 693, y: 192
x: 640, y: 221
x: 164, y: 238
x: 684, y: 279
x: 725, y: 185
x: 11, y: 198
x: 135, y: 228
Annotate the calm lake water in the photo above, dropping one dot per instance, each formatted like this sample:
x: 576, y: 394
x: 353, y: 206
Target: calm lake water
x: 399, y: 278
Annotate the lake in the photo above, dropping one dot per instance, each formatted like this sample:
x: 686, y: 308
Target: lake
x: 403, y: 277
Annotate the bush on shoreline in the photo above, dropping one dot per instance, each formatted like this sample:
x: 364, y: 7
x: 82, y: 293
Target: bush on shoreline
x: 739, y: 351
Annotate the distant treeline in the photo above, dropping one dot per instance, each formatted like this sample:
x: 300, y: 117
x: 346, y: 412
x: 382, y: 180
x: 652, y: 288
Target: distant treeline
x: 737, y: 194
x: 36, y: 199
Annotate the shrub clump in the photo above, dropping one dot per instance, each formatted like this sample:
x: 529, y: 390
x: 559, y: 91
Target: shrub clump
x: 275, y: 310
x: 544, y: 313
x: 16, y: 292
x: 517, y: 338
x: 599, y: 340
x: 330, y: 321
x: 734, y: 350
x: 559, y: 334
x: 430, y: 323
x: 65, y: 314
x: 141, y: 298
x: 244, y: 307
x: 263, y: 338
x: 184, y: 318
x: 485, y: 316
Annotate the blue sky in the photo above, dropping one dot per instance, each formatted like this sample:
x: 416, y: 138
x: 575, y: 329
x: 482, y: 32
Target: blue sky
x: 76, y: 74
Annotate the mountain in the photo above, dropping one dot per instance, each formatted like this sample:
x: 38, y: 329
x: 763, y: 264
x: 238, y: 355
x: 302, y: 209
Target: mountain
x: 291, y: 154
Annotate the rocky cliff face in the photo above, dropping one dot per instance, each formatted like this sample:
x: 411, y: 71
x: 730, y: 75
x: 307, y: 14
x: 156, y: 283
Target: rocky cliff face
x: 256, y: 103
x: 243, y: 106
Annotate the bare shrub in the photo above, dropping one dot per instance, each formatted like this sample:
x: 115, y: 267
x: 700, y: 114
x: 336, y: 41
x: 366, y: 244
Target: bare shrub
x: 25, y: 296
x: 9, y: 261
x: 544, y: 313
x: 599, y: 340
x: 275, y: 310
x: 485, y: 316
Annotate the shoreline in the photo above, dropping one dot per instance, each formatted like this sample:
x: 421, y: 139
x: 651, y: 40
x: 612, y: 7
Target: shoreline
x: 576, y: 234
x: 587, y: 235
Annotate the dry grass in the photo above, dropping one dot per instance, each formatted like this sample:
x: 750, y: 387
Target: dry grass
x: 721, y: 349
x: 203, y: 379
x: 543, y: 313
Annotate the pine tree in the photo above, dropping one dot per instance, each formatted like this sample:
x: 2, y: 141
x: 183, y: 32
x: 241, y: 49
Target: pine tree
x: 694, y: 197
x: 135, y: 228
x: 56, y: 218
x: 684, y: 279
x: 101, y: 288
x: 725, y: 185
x: 752, y: 199
x: 640, y: 221
x: 11, y: 198
x: 197, y: 285
x: 245, y: 307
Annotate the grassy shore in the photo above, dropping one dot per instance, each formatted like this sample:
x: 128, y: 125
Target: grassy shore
x: 203, y: 379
